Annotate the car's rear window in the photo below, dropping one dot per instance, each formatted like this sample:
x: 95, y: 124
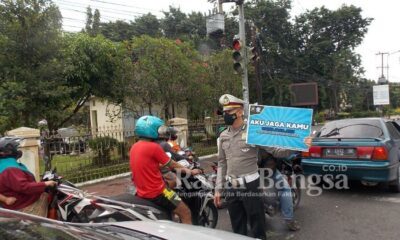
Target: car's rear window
x: 354, y: 128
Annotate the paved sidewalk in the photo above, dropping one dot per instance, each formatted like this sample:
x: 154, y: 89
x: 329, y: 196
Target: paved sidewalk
x: 109, y: 188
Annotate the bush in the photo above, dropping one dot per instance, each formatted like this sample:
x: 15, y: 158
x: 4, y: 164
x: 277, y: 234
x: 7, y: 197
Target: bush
x: 365, y: 114
x: 341, y: 115
x: 103, y: 146
x: 319, y: 117
x: 196, y: 138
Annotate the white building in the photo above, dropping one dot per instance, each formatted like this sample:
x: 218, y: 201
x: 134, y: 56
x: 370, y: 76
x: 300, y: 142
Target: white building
x: 108, y: 117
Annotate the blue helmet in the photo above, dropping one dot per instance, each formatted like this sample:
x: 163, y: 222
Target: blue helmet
x: 147, y: 127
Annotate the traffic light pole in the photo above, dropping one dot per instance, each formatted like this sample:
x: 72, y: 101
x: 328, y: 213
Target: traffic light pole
x: 245, y: 80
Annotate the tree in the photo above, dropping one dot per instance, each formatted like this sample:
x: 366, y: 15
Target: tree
x: 31, y: 66
x: 175, y: 24
x: 47, y: 75
x: 89, y: 19
x: 92, y: 26
x: 317, y: 46
x: 95, y: 66
x: 147, y: 25
x: 118, y: 31
x: 326, y: 41
x: 216, y: 78
x: 96, y: 23
x: 162, y: 73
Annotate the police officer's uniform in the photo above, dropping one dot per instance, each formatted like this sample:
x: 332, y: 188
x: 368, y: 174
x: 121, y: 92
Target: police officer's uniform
x: 237, y: 166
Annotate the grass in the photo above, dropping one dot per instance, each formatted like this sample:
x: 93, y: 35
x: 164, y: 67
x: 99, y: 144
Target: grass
x: 65, y: 163
x: 203, y: 149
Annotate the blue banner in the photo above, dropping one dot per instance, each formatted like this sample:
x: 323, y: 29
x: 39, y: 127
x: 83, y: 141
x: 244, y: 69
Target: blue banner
x: 283, y: 127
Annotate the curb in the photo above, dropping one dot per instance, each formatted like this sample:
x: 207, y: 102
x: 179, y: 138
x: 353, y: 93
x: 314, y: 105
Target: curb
x: 127, y: 174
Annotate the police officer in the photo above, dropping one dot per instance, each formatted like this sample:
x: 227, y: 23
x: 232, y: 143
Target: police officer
x: 237, y: 164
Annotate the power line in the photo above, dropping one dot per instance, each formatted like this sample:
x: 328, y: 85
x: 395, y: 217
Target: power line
x: 74, y: 19
x: 107, y: 11
x: 72, y: 26
x: 101, y: 8
x: 105, y: 16
x: 124, y: 5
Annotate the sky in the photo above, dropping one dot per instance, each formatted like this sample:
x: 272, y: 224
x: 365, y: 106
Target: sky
x: 382, y: 36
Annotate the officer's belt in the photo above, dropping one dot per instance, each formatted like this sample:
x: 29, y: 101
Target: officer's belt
x: 243, y: 179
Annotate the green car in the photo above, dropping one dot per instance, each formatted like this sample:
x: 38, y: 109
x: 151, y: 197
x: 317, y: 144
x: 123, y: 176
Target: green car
x: 364, y: 149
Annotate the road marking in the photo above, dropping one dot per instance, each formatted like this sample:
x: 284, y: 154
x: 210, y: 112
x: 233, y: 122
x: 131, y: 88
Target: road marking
x: 387, y: 199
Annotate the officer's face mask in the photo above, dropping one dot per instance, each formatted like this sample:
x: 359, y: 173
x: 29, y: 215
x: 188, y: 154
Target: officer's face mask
x: 229, y: 119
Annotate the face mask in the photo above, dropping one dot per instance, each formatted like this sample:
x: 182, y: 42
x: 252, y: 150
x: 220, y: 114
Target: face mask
x: 229, y: 118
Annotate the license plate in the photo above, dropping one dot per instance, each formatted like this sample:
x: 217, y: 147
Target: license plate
x: 340, y: 152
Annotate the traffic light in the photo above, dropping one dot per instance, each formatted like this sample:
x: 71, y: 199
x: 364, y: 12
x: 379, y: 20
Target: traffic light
x: 237, y: 56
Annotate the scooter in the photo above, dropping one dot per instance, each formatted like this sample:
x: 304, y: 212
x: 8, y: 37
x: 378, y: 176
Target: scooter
x: 197, y: 193
x: 290, y: 168
x: 70, y: 204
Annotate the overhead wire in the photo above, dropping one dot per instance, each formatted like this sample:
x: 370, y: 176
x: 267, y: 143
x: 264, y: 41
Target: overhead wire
x: 124, y: 5
x: 101, y: 15
x: 101, y: 8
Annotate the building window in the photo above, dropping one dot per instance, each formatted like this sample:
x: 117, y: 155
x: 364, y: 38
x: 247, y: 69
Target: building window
x: 94, y: 121
x: 94, y: 103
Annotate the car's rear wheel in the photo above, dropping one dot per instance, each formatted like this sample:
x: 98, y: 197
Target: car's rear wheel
x: 394, y: 186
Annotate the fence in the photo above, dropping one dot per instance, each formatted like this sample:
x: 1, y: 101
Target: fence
x: 86, y: 155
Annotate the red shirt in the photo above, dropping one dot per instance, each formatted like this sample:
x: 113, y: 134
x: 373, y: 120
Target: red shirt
x: 145, y: 160
x: 22, y: 185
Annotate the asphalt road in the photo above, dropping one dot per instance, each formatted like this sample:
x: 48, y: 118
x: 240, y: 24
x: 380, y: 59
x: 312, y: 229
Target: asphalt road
x: 360, y: 213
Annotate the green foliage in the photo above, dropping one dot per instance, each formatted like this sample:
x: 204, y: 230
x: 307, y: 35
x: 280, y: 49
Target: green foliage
x: 216, y: 78
x: 163, y: 71
x: 365, y: 114
x: 30, y: 64
x: 55, y: 73
x: 318, y: 45
x: 319, y: 117
x: 51, y: 73
x: 103, y: 147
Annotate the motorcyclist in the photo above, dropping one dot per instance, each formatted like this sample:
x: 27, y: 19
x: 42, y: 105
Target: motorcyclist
x: 146, y: 157
x: 7, y: 200
x: 172, y: 141
x: 165, y: 134
x: 266, y: 160
x: 18, y: 182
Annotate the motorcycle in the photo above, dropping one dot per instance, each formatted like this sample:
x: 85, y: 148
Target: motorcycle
x: 195, y: 191
x: 70, y: 204
x: 290, y: 168
x: 213, y: 178
x: 190, y: 156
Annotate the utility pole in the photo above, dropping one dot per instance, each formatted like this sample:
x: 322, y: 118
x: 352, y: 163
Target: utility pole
x: 382, y: 79
x: 243, y: 52
x: 220, y: 10
x: 242, y: 37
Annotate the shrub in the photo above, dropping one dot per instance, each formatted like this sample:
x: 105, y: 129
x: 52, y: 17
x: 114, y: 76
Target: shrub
x: 103, y: 146
x: 365, y: 114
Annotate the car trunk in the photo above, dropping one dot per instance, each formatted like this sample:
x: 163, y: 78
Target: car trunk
x: 348, y: 148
